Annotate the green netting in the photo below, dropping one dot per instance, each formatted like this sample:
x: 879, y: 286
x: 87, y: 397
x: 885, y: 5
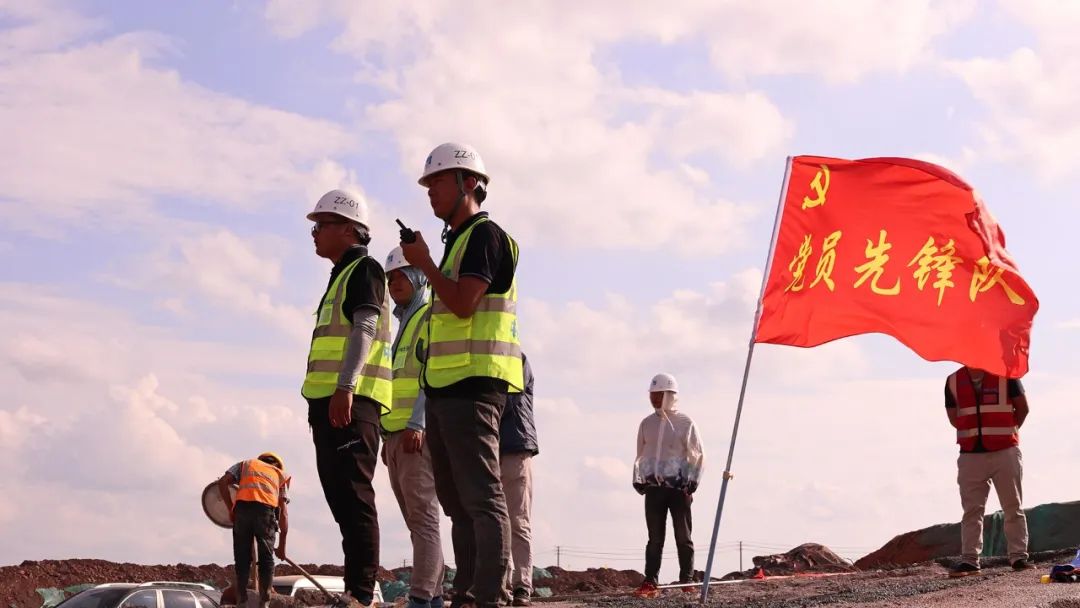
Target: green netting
x: 1051, y: 527
x: 51, y: 596
x: 540, y: 574
x: 542, y: 592
x: 393, y: 590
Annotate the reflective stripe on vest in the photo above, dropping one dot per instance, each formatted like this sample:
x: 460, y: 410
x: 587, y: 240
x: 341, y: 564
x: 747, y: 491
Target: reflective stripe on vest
x: 406, y: 372
x: 987, y: 414
x: 260, y: 482
x: 483, y: 345
x: 330, y: 340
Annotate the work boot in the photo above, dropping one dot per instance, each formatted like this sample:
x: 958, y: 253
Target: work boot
x: 647, y: 590
x: 521, y: 598
x: 1022, y: 564
x: 346, y: 600
x: 964, y: 569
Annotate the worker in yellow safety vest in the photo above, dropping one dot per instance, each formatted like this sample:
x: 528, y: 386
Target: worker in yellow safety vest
x: 473, y: 361
x: 349, y: 383
x: 405, y: 453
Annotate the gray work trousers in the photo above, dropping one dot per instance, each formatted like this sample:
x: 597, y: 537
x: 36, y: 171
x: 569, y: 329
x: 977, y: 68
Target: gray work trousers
x: 463, y: 435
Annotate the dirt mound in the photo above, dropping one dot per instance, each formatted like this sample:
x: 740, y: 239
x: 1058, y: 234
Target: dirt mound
x: 19, y: 584
x: 592, y: 580
x: 1053, y: 526
x: 807, y: 558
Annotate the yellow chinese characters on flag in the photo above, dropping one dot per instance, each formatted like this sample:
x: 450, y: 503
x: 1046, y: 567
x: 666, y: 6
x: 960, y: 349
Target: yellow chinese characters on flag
x: 900, y: 247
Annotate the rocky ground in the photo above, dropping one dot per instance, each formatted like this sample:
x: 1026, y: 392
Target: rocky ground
x: 19, y: 584
x: 923, y: 586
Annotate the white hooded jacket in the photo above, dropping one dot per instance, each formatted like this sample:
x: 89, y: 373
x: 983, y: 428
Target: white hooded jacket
x: 669, y: 450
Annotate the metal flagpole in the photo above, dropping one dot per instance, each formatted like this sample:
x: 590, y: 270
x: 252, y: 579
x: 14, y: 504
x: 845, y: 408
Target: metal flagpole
x: 746, y: 374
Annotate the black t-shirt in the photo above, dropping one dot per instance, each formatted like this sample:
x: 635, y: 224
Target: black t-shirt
x: 366, y: 289
x: 1013, y: 386
x: 488, y: 256
x: 367, y: 283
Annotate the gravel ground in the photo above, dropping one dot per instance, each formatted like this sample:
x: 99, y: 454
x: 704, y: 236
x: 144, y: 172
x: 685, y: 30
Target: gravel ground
x: 915, y: 587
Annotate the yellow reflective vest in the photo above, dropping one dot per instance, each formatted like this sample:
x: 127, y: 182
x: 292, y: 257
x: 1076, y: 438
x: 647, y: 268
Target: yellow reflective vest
x: 483, y: 345
x: 406, y: 371
x: 330, y: 340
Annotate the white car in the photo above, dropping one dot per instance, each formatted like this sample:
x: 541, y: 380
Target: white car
x: 157, y: 594
x: 291, y: 585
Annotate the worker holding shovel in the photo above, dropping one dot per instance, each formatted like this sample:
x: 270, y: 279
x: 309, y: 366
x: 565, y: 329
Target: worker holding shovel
x: 257, y: 513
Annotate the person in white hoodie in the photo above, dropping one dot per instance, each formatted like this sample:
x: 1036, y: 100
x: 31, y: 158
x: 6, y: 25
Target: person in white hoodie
x: 667, y: 471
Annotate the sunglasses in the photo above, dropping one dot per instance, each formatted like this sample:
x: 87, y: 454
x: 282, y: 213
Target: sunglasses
x: 319, y: 225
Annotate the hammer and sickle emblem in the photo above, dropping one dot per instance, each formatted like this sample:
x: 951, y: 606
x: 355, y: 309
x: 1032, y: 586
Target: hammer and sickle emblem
x: 820, y: 186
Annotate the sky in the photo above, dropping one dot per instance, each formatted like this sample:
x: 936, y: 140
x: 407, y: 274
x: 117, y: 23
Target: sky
x: 158, y: 280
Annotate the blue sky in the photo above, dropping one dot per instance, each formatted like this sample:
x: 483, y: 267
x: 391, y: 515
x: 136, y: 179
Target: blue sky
x: 158, y: 276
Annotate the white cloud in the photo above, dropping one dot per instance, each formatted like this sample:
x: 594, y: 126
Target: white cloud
x: 216, y: 269
x: 836, y: 40
x: 1031, y: 94
x: 579, y: 156
x: 1070, y: 324
x: 17, y: 425
x: 39, y: 26
x: 703, y: 333
x: 97, y: 130
x: 613, y: 471
x: 238, y: 275
x: 567, y: 162
x: 134, y: 420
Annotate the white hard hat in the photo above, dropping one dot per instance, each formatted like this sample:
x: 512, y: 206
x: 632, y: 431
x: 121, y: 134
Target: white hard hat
x: 395, y: 260
x: 663, y: 382
x: 344, y: 203
x: 453, y: 156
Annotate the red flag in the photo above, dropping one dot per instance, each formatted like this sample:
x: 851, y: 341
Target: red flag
x: 900, y: 247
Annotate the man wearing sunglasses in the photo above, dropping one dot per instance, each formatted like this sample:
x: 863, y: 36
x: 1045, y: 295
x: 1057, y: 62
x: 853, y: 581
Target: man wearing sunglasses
x: 348, y: 383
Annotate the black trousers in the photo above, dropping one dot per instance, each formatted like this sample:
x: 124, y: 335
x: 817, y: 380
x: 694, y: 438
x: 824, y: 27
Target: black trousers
x: 254, y: 522
x: 463, y: 436
x: 346, y: 459
x: 658, y: 503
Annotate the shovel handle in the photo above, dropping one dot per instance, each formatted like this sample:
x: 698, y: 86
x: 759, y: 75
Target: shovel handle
x: 333, y: 598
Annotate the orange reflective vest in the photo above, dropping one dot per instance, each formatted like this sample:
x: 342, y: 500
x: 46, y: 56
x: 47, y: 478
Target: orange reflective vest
x: 260, y: 482
x: 985, y: 415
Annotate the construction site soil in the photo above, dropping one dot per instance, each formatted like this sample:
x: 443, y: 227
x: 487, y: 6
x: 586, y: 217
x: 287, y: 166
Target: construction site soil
x: 925, y: 585
x: 19, y: 584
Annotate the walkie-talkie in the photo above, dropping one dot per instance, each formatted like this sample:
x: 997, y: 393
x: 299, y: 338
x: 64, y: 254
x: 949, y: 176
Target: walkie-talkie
x: 407, y: 235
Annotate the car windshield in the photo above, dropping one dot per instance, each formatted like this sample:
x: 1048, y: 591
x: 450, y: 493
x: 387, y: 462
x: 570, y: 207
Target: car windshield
x: 95, y: 598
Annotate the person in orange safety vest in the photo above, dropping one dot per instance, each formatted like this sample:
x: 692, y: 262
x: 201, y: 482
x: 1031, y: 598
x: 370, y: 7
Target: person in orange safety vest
x: 257, y: 513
